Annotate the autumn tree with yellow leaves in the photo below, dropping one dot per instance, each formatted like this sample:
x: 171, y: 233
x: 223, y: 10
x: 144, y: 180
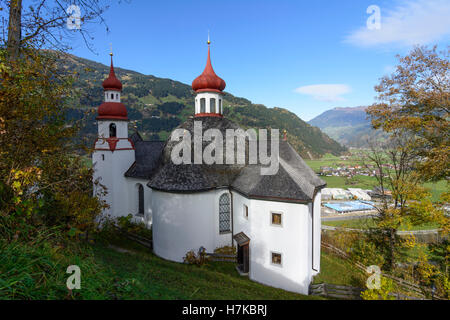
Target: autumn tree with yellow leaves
x: 413, y: 107
x: 43, y: 180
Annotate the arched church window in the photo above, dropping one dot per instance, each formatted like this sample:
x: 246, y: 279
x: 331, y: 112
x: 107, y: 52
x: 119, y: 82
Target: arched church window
x: 117, y: 96
x: 202, y: 105
x: 140, y: 199
x: 220, y: 106
x: 112, y: 130
x: 224, y: 213
x: 112, y: 95
x: 212, y: 105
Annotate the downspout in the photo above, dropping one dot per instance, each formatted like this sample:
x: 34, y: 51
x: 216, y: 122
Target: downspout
x: 232, y: 216
x: 312, y: 230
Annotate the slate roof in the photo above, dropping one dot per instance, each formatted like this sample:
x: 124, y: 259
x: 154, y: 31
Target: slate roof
x: 195, y: 177
x: 294, y: 181
x: 147, y: 155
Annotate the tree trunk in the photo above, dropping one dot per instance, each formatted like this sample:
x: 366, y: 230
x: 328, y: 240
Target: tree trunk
x: 14, y: 28
x: 392, y: 248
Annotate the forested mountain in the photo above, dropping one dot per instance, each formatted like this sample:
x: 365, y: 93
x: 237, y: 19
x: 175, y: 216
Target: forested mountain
x: 349, y: 126
x: 156, y: 106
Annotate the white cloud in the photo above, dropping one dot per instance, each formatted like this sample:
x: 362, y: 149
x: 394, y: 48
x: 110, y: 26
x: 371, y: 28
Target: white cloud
x: 325, y: 92
x: 410, y: 23
x: 389, y: 69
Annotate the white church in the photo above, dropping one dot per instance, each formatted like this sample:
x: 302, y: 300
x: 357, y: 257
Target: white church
x: 273, y: 220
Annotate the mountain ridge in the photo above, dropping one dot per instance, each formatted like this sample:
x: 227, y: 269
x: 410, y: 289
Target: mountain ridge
x: 158, y: 105
x: 349, y: 126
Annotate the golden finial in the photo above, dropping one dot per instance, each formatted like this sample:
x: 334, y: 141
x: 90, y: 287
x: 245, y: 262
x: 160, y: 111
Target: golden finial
x: 110, y: 50
x: 208, y: 42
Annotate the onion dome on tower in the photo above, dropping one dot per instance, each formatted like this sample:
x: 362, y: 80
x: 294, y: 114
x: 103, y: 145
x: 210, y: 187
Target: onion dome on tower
x: 208, y: 87
x: 208, y: 80
x: 112, y: 108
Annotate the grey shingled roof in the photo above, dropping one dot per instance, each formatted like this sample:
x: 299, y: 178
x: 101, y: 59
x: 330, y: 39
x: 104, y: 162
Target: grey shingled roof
x: 195, y: 177
x: 294, y: 181
x: 147, y: 154
x: 136, y: 137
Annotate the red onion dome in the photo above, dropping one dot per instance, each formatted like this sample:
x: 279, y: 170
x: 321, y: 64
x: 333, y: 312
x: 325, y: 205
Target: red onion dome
x: 112, y: 83
x: 113, y: 111
x: 208, y: 80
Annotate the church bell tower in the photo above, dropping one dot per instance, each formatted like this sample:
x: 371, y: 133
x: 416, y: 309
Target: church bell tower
x: 113, y: 151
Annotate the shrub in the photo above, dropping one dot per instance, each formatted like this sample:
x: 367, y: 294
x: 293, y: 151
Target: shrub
x: 198, y: 259
x: 382, y: 293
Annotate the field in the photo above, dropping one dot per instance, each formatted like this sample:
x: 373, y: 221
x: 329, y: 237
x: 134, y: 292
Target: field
x: 360, y: 181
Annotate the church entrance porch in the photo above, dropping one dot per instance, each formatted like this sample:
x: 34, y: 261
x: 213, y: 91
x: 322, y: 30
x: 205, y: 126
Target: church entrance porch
x: 243, y: 255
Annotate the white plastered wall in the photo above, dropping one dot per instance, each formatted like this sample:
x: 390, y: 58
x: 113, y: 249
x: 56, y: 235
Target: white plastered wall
x: 292, y: 240
x: 186, y: 221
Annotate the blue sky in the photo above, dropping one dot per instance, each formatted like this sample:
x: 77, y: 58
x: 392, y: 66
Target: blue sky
x: 305, y: 56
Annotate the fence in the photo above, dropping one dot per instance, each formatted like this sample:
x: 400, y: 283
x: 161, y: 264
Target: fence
x: 422, y: 236
x: 148, y: 243
x: 401, y: 283
x: 221, y: 257
x: 347, y: 292
x: 335, y: 291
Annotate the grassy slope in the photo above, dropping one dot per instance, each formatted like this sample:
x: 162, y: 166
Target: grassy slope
x: 367, y: 223
x: 38, y: 271
x: 335, y: 270
x: 155, y: 278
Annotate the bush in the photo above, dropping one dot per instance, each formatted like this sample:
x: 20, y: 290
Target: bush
x: 382, y: 293
x: 198, y: 259
x: 367, y: 253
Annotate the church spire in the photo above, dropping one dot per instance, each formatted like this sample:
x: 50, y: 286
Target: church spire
x: 112, y: 83
x: 209, y: 87
x: 112, y: 108
x: 208, y: 80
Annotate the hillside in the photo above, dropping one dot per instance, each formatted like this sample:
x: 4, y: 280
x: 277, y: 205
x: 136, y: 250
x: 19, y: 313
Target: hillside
x: 156, y: 106
x: 348, y: 126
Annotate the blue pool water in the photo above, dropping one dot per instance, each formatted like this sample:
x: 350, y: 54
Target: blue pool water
x: 350, y: 206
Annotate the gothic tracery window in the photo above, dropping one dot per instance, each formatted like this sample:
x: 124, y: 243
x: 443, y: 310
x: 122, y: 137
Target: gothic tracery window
x: 224, y: 213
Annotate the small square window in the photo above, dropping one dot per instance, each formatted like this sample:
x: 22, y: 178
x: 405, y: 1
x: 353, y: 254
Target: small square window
x: 276, y: 258
x: 245, y: 212
x: 276, y: 219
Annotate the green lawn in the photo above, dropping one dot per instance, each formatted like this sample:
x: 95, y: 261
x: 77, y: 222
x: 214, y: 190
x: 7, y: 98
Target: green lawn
x: 329, y: 160
x: 359, y: 181
x: 38, y: 271
x: 154, y: 278
x: 367, y: 223
x: 335, y: 270
x: 437, y: 188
